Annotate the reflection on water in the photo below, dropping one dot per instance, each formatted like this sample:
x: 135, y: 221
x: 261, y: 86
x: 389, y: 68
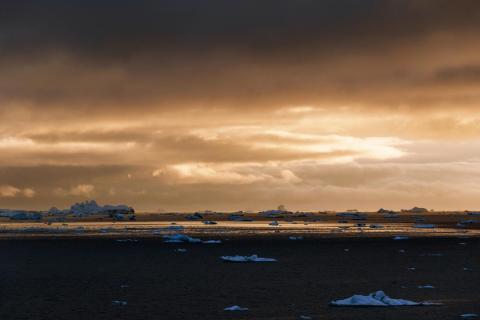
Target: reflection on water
x: 225, y: 228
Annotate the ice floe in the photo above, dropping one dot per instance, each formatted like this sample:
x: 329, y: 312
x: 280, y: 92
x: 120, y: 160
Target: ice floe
x: 252, y: 258
x: 375, y: 299
x: 400, y: 238
x: 469, y: 315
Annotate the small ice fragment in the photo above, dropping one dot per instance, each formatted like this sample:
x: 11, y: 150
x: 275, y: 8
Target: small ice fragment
x: 252, y: 258
x: 424, y: 226
x: 181, y: 250
x: 176, y: 238
x: 400, y: 238
x: 426, y: 287
x: 209, y: 222
x: 235, y: 308
x: 295, y: 238
x: 212, y: 241
x: 469, y: 315
x: 175, y: 228
x: 401, y: 251
x: 119, y: 303
x: 412, y: 269
x: 305, y: 317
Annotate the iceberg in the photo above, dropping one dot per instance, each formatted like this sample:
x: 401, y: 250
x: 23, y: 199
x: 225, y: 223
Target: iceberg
x: 400, y: 238
x: 375, y: 299
x: 252, y: 258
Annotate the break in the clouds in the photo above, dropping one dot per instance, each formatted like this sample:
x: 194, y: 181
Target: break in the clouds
x: 184, y: 105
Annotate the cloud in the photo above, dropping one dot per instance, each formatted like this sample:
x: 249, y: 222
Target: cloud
x: 8, y: 191
x: 244, y: 104
x: 85, y: 190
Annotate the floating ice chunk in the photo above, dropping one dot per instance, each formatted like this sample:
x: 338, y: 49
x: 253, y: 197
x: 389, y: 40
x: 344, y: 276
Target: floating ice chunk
x: 212, y: 241
x: 426, y: 287
x: 400, y: 238
x: 295, y: 238
x: 181, y: 250
x: 178, y: 238
x: 469, y: 315
x: 252, y: 258
x: 119, y: 303
x: 376, y: 299
x: 126, y: 240
x: 424, y: 226
x: 412, y: 269
x: 305, y: 317
x: 235, y: 308
x: 467, y: 269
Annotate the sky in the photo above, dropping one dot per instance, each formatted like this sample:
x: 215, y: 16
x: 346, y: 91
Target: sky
x: 188, y: 105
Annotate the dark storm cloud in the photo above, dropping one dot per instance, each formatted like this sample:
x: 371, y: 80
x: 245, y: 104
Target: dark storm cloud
x: 154, y: 54
x: 119, y: 28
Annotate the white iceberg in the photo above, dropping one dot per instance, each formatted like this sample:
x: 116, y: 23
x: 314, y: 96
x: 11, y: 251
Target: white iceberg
x: 252, y: 258
x: 375, y: 299
x: 235, y: 308
x: 179, y: 238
